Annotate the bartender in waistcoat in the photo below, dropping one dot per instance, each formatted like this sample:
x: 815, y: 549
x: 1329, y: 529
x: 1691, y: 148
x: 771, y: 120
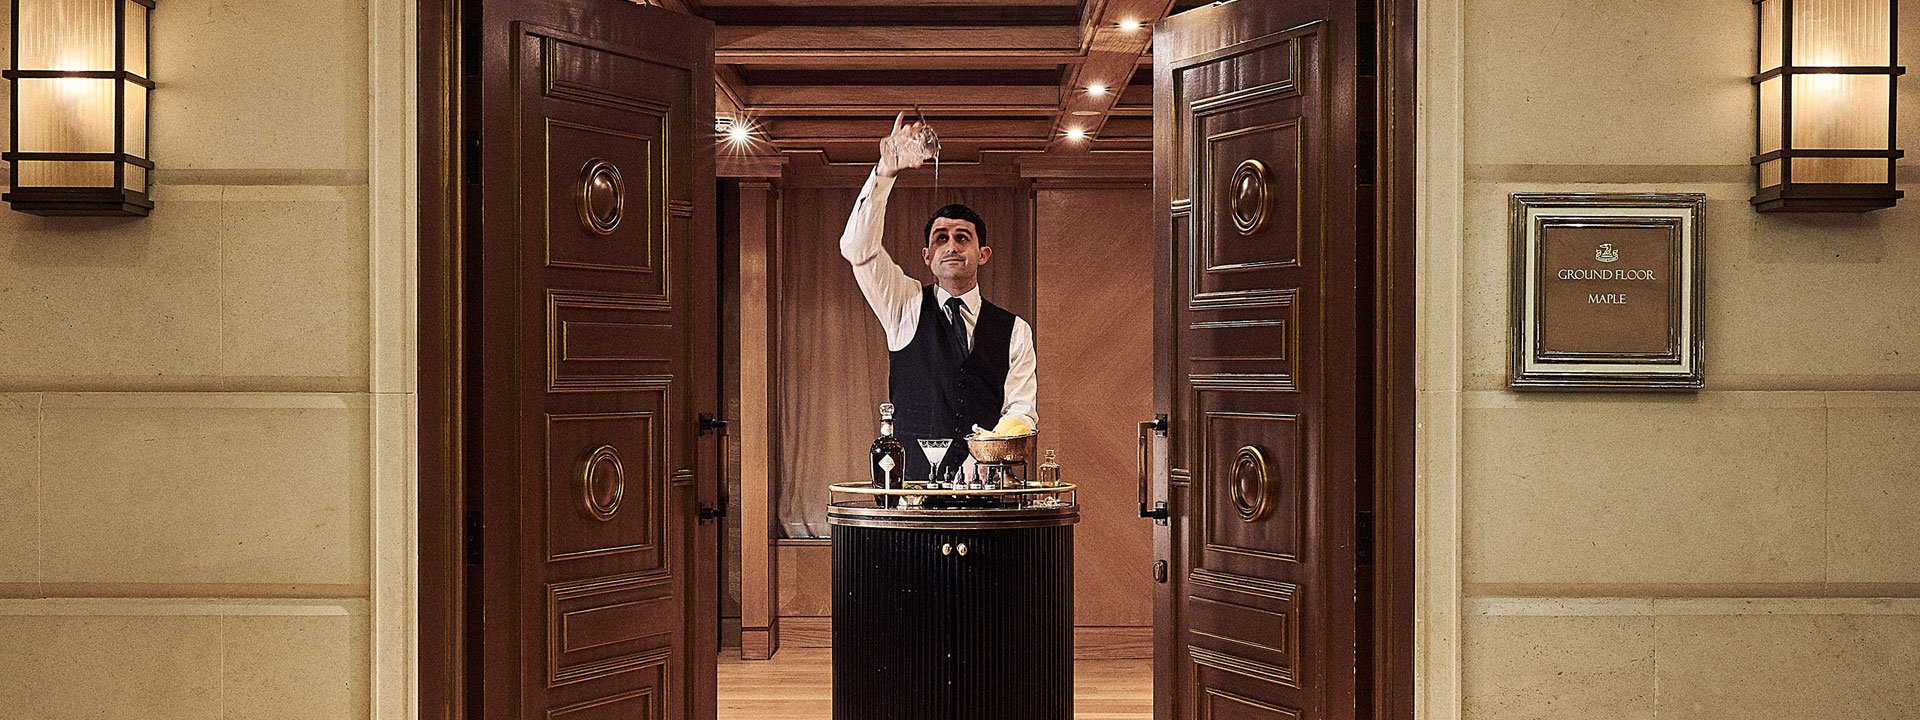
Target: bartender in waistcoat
x: 954, y: 359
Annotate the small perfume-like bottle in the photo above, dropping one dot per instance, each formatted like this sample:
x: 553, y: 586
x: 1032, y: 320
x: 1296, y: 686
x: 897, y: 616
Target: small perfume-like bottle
x: 1049, y: 471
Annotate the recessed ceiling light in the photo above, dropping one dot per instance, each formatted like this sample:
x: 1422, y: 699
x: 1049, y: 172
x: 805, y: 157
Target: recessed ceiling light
x: 1086, y: 113
x: 1075, y: 133
x: 1129, y: 24
x: 1097, y: 89
x: 737, y: 133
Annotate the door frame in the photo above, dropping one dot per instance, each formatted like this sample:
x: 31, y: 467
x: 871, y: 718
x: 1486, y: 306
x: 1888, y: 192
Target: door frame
x: 441, y: 110
x: 1395, y: 389
x: 443, y: 590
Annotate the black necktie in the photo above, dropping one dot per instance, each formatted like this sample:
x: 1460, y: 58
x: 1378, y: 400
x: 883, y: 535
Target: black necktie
x: 957, y: 327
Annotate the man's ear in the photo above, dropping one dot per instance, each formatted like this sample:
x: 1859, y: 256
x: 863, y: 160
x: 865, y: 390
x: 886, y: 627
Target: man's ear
x: 986, y: 251
x: 926, y: 255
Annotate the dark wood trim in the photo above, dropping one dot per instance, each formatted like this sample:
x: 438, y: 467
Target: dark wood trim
x: 1134, y: 169
x: 1393, y: 574
x: 441, y: 572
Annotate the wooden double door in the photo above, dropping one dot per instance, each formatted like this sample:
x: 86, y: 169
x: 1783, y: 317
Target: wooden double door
x: 569, y: 340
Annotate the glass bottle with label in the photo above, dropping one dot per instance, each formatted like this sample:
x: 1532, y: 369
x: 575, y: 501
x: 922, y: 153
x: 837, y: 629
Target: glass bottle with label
x: 887, y: 459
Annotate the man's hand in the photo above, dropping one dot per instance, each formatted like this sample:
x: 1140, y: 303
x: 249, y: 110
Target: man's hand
x: 901, y: 149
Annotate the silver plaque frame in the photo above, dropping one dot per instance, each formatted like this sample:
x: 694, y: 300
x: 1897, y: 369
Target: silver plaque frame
x: 1680, y: 367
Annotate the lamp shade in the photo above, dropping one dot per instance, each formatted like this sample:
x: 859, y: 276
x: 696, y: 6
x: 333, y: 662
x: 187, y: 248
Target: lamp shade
x: 1825, y: 96
x: 79, y: 111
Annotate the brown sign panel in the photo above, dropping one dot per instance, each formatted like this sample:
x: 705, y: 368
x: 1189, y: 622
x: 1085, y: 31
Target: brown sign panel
x: 1606, y: 291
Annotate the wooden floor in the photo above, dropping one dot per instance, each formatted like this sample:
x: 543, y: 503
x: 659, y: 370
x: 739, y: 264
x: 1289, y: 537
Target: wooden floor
x: 797, y: 684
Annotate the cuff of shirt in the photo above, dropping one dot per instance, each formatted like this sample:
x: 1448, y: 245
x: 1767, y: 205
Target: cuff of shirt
x: 880, y: 182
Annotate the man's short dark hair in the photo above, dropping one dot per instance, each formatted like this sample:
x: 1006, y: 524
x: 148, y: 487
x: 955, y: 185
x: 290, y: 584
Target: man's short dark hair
x: 957, y: 211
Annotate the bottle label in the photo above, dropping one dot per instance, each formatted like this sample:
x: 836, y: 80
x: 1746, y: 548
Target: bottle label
x: 886, y: 464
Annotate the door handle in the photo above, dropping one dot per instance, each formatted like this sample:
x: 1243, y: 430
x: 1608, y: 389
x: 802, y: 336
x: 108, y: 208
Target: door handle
x: 705, y: 512
x: 1148, y: 428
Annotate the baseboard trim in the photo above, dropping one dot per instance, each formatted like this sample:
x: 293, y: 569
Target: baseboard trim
x: 1113, y: 643
x: 757, y: 643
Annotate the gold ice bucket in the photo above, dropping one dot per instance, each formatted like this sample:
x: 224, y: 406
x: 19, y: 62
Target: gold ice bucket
x: 1002, y: 450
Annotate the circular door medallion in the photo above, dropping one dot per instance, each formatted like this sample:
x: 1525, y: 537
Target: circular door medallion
x: 1250, y: 484
x: 602, y: 482
x: 1251, y: 190
x: 602, y: 196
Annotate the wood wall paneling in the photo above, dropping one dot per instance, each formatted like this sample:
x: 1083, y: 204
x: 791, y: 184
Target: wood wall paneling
x: 1094, y: 293
x: 806, y: 569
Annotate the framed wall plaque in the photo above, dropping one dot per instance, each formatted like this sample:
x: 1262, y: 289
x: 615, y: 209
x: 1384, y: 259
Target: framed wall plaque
x: 1606, y: 291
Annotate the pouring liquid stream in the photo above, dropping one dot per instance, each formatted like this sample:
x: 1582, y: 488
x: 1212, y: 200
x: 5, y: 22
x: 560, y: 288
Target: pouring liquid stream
x: 929, y: 141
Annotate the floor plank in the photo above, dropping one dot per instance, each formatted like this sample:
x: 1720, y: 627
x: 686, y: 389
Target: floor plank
x: 797, y: 684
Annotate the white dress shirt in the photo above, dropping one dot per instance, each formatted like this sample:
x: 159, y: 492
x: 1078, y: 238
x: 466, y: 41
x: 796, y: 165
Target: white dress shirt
x: 895, y: 298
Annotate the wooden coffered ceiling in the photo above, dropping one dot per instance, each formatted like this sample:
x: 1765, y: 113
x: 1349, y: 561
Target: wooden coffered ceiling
x: 826, y: 76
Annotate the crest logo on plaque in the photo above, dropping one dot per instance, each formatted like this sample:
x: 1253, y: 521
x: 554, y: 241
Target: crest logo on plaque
x: 1606, y: 253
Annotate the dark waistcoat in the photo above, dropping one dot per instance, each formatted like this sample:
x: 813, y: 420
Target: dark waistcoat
x: 934, y: 394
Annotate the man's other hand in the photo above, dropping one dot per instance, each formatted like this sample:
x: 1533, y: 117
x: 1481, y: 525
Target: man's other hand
x: 901, y: 149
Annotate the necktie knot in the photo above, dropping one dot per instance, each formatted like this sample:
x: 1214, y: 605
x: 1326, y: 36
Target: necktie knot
x: 953, y: 307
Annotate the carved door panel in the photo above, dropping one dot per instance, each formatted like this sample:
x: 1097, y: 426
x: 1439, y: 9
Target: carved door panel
x: 594, y: 276
x: 1258, y: 359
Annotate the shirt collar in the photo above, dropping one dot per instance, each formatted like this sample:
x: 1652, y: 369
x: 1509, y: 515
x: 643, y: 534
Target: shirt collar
x: 970, y: 298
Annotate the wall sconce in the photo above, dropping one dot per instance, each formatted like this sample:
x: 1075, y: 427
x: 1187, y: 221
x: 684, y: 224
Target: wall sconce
x: 1825, y: 91
x: 79, y: 115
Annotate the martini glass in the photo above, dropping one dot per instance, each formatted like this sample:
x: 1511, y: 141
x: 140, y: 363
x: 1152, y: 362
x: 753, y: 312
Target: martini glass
x: 936, y: 451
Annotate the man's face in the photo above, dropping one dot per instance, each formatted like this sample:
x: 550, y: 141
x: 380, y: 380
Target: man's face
x: 954, y: 252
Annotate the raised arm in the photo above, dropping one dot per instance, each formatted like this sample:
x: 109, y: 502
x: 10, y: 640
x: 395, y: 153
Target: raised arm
x: 889, y: 291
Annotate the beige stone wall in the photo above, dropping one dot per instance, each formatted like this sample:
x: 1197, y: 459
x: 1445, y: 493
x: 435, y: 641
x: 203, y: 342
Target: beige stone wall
x: 204, y: 413
x: 1747, y: 551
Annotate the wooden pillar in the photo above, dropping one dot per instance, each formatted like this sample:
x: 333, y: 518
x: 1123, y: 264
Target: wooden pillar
x: 759, y: 240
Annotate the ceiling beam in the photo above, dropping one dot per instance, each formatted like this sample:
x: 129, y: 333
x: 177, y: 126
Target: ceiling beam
x: 773, y: 75
x: 898, y: 39
x: 828, y: 75
x: 729, y: 90
x: 828, y: 13
x: 871, y: 129
x: 957, y: 58
x: 1047, y: 110
x: 764, y: 98
x: 1112, y: 56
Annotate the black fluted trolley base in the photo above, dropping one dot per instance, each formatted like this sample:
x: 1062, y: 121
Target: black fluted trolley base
x: 952, y: 614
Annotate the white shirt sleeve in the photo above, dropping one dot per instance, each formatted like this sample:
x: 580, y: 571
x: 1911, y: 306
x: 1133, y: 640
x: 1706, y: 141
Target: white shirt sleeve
x: 893, y: 295
x: 1022, y: 387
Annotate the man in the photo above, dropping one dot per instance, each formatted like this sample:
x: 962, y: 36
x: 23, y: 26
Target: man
x: 955, y: 360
